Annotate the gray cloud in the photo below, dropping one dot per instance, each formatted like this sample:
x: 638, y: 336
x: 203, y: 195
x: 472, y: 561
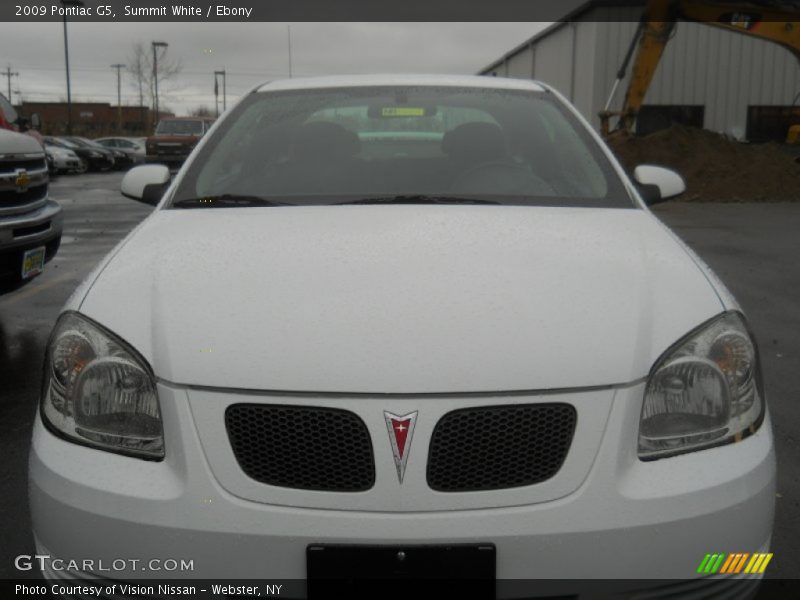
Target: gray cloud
x: 250, y: 52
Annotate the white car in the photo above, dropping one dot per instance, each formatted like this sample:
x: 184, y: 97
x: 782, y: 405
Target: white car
x: 130, y: 144
x: 65, y: 159
x: 386, y: 324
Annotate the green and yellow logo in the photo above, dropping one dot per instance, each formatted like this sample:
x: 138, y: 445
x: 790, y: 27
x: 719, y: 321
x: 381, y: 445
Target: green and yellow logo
x: 732, y: 564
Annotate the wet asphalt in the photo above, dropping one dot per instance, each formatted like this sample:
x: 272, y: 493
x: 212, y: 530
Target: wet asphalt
x: 755, y: 250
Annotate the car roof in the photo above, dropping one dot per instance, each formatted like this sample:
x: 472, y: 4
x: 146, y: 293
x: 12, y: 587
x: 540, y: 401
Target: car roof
x: 335, y: 81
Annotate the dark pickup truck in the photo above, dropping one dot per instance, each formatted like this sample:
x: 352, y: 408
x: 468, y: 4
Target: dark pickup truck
x: 30, y: 223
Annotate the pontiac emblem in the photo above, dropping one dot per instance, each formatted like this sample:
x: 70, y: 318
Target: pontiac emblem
x: 401, y: 428
x: 22, y: 181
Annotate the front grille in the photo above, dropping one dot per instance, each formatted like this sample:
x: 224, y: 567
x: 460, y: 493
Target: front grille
x: 498, y: 447
x: 9, y: 198
x: 302, y: 447
x: 29, y: 164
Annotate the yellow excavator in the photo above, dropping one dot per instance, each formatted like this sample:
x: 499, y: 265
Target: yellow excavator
x: 773, y: 20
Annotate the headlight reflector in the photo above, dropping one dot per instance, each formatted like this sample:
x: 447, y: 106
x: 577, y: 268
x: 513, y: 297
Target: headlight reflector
x: 98, y: 391
x: 704, y: 392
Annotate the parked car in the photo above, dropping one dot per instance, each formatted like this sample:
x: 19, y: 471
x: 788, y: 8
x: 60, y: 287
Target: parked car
x: 469, y: 353
x: 175, y: 138
x: 65, y: 160
x: 96, y: 158
x: 30, y: 223
x: 122, y: 159
x: 132, y: 144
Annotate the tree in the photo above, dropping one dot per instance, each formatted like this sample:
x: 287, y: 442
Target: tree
x: 201, y: 111
x: 140, y: 68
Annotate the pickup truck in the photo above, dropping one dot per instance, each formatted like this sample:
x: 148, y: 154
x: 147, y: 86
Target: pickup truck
x: 175, y: 138
x: 30, y: 223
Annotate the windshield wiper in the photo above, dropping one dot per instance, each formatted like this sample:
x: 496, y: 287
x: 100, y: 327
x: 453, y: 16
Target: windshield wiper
x: 420, y: 199
x: 226, y: 201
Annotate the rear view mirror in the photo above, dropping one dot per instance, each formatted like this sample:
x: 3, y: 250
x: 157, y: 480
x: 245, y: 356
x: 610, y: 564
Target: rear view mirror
x: 146, y: 183
x: 657, y: 184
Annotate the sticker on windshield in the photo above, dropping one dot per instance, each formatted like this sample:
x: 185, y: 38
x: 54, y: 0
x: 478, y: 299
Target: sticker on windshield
x: 402, y: 111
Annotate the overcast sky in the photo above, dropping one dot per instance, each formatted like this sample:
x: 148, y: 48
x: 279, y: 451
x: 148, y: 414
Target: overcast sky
x: 250, y: 53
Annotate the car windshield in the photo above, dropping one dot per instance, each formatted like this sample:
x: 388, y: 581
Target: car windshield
x: 86, y: 142
x: 67, y: 143
x: 401, y: 144
x: 180, y: 127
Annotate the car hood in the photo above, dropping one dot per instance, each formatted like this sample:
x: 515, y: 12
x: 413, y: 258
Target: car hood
x: 17, y: 143
x: 401, y: 299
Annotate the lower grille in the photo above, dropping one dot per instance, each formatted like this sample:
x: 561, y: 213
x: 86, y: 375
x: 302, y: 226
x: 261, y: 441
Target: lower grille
x: 302, y: 447
x: 498, y: 447
x: 11, y: 261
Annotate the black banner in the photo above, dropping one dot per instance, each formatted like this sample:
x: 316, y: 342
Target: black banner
x: 354, y: 10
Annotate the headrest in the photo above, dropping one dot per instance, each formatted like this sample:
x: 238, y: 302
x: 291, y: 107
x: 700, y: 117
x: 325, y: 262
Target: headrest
x: 321, y: 139
x: 475, y: 143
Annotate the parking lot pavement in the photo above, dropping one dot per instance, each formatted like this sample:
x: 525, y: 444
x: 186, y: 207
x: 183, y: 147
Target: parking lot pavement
x: 753, y: 248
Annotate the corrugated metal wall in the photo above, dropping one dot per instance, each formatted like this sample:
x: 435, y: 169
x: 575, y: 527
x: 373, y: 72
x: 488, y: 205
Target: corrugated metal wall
x: 720, y: 70
x: 559, y: 60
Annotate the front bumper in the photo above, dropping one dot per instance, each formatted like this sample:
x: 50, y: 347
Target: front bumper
x: 623, y: 519
x: 67, y: 164
x: 18, y: 233
x: 167, y: 158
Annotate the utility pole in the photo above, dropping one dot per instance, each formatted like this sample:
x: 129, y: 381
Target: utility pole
x: 156, y: 46
x: 119, y: 68
x: 289, y: 43
x: 67, y: 4
x: 216, y: 95
x: 9, y: 74
x: 224, y: 89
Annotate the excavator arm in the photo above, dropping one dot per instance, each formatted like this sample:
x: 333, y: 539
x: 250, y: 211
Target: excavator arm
x: 769, y: 20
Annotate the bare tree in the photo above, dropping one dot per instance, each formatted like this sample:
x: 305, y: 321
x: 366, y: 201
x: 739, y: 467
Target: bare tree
x: 140, y: 68
x: 201, y: 111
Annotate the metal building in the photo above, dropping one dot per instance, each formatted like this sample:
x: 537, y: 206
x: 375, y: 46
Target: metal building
x: 726, y: 82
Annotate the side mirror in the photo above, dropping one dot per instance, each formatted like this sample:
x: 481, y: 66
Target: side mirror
x: 36, y: 121
x: 657, y: 184
x: 146, y: 183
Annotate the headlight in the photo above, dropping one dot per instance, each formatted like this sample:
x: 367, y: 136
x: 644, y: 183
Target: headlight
x: 99, y: 392
x: 705, y: 391
x: 94, y: 154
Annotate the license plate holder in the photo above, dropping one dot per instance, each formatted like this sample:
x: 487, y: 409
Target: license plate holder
x: 355, y: 571
x: 33, y: 262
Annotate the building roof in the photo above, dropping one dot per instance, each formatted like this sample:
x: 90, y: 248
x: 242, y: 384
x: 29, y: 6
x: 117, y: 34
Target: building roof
x: 572, y: 11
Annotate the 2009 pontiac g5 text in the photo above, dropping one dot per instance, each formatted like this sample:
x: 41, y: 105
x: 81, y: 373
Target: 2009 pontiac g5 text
x: 403, y: 321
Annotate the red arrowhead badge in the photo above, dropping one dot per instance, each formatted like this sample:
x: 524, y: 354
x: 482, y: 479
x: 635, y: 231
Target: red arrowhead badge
x: 401, y: 428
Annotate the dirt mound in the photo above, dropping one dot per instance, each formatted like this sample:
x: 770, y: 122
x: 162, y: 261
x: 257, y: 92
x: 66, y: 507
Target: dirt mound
x: 716, y: 168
